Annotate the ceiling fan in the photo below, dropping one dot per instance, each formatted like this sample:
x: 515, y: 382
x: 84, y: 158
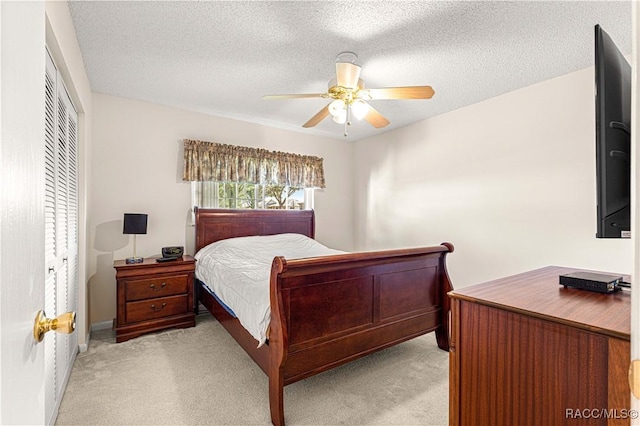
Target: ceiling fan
x: 349, y: 96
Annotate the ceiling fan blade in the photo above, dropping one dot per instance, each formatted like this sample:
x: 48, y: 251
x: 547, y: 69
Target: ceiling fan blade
x: 376, y: 119
x: 408, y: 92
x: 321, y: 115
x: 347, y: 74
x: 294, y: 96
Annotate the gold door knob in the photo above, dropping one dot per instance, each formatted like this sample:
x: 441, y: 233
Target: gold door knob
x: 65, y: 323
x: 634, y: 378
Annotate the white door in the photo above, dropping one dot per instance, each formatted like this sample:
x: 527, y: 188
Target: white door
x: 38, y: 212
x: 60, y: 232
x: 22, y: 67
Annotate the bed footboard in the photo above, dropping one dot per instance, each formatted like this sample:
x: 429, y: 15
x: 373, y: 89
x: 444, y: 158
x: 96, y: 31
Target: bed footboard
x: 327, y: 311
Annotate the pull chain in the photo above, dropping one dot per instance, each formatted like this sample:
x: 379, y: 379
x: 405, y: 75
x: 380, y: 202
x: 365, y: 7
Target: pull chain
x: 347, y: 122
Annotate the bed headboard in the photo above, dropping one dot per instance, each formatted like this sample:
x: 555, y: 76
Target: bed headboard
x: 218, y: 224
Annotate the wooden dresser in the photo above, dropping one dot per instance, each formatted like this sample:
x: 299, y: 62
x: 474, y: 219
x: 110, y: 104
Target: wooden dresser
x: 527, y: 351
x: 153, y: 296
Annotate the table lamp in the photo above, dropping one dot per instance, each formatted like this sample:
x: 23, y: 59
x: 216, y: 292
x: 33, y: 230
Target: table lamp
x: 134, y: 223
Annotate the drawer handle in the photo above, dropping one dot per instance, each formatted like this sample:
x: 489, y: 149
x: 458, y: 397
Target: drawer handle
x: 154, y: 309
x: 153, y: 287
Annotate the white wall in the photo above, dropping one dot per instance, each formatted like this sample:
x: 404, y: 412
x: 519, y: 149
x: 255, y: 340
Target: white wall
x: 137, y: 168
x: 509, y: 181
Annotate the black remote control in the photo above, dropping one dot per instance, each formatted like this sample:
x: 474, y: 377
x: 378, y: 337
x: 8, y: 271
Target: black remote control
x: 166, y: 259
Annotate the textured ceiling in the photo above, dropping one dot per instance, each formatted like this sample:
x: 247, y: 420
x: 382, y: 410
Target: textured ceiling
x: 221, y: 57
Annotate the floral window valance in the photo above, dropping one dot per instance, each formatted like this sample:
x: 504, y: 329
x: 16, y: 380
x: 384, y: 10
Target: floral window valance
x: 208, y: 161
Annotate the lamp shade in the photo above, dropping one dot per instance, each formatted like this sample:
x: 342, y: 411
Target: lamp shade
x: 359, y: 108
x: 337, y: 107
x: 135, y: 223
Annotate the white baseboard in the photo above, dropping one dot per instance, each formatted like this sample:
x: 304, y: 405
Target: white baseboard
x: 82, y: 347
x: 104, y: 325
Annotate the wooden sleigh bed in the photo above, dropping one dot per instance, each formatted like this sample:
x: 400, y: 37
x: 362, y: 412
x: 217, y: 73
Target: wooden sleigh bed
x: 326, y: 311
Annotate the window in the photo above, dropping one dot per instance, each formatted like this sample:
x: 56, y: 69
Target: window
x: 243, y: 195
x: 236, y: 177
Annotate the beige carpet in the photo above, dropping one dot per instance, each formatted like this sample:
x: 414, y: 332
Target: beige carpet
x: 200, y: 376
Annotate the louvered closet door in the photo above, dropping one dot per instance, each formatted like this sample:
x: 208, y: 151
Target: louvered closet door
x: 61, y: 232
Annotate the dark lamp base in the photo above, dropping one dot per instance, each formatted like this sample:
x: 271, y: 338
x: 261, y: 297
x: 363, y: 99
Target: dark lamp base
x: 133, y: 260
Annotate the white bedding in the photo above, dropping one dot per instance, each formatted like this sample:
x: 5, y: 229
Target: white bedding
x: 238, y: 271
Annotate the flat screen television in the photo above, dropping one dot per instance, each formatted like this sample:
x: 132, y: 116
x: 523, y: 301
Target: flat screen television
x: 613, y: 138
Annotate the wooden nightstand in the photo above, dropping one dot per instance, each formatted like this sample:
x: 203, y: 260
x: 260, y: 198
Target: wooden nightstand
x: 153, y: 296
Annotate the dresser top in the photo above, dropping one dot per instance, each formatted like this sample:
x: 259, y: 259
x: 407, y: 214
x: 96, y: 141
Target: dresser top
x: 538, y: 293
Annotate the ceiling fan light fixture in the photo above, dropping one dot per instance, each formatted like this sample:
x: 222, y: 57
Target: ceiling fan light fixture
x: 364, y: 95
x: 340, y: 119
x: 359, y: 108
x: 349, y: 98
x: 337, y: 108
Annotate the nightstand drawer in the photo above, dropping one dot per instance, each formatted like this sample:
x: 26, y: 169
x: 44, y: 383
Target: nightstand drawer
x: 156, y: 308
x: 156, y: 287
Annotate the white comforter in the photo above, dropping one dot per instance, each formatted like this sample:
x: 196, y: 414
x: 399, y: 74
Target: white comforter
x: 238, y: 271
